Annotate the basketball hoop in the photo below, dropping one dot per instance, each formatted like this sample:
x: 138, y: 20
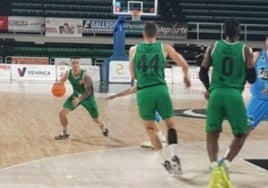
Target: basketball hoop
x: 136, y: 15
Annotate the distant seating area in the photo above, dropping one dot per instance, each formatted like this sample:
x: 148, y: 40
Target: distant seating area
x: 247, y: 11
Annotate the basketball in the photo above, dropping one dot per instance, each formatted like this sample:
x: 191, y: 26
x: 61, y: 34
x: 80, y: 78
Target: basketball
x: 58, y: 90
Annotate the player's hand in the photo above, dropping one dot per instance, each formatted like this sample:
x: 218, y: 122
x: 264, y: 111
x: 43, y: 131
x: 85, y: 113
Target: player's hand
x: 58, y: 82
x: 187, y: 82
x: 111, y: 97
x: 206, y: 95
x: 75, y: 102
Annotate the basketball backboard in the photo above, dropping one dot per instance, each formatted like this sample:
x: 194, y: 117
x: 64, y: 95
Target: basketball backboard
x: 125, y: 7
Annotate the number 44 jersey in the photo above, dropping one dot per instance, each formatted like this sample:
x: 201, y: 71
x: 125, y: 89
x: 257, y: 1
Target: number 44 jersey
x: 149, y: 64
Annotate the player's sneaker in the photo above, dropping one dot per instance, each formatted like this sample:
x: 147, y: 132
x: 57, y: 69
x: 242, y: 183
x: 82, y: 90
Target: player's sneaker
x: 62, y: 136
x: 176, y: 165
x: 147, y: 145
x: 216, y: 178
x: 167, y: 166
x: 104, y: 129
x: 225, y: 175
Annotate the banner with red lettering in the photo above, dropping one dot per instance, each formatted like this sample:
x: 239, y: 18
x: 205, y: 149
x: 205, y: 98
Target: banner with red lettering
x: 26, y: 24
x: 30, y: 60
x: 3, y: 23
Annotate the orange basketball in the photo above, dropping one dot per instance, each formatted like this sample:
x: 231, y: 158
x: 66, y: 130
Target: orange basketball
x: 58, y: 90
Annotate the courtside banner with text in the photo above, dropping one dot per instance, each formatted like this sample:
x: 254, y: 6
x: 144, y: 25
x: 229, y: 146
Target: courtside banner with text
x: 26, y: 24
x: 33, y: 72
x: 63, y: 27
x: 5, y: 72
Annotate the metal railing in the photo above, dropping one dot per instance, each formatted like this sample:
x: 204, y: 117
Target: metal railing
x: 247, y: 30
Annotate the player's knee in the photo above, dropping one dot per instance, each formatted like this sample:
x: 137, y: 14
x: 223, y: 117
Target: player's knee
x: 172, y: 136
x: 240, y: 136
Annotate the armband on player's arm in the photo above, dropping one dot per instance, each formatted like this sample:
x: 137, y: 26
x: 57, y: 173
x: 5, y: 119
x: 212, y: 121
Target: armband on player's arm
x: 251, y: 75
x: 203, y: 76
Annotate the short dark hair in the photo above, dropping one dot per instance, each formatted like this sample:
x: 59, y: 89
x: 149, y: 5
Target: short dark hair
x: 266, y: 36
x: 75, y: 57
x: 150, y: 29
x: 232, y: 27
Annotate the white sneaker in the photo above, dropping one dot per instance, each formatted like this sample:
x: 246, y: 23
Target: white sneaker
x: 147, y: 145
x: 104, y: 129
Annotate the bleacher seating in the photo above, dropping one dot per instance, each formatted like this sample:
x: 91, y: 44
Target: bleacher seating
x: 247, y: 11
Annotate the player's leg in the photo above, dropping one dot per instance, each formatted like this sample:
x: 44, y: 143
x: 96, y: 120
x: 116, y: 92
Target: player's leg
x: 67, y: 107
x: 237, y: 116
x: 146, y: 106
x: 214, y: 120
x: 165, y: 110
x: 159, y: 134
x: 91, y: 106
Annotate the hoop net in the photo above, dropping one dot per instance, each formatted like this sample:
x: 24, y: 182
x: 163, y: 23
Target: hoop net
x: 136, y: 15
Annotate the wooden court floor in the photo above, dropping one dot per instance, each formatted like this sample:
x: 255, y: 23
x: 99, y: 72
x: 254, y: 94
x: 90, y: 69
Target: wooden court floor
x: 29, y: 122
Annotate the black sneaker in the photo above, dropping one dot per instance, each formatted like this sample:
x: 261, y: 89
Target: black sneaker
x: 62, y: 136
x: 167, y: 166
x: 176, y: 165
x: 104, y: 130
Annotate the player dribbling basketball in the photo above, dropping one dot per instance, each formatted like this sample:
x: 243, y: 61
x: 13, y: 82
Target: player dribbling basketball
x: 82, y: 94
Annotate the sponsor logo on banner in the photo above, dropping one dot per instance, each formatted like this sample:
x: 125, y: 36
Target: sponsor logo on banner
x: 119, y: 72
x: 98, y: 26
x: 3, y: 23
x: 172, y: 30
x: 33, y: 72
x: 26, y: 24
x: 63, y: 27
x: 5, y: 72
x: 30, y: 60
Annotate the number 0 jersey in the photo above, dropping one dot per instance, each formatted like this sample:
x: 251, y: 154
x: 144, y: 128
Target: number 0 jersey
x: 229, y: 65
x: 149, y: 64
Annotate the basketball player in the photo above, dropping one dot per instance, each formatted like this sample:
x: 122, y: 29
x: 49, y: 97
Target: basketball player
x: 147, y: 62
x: 146, y: 144
x: 232, y: 64
x: 82, y: 94
x: 257, y: 108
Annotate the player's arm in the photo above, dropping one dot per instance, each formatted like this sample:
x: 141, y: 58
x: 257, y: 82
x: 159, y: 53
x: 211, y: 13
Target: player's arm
x: 88, y: 87
x: 204, y: 68
x: 250, y: 70
x: 180, y: 61
x: 131, y: 64
x: 123, y: 93
x: 63, y: 78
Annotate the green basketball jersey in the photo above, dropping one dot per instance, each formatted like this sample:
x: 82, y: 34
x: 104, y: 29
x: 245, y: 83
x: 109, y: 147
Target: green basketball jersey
x: 77, y: 82
x: 149, y: 64
x: 229, y: 65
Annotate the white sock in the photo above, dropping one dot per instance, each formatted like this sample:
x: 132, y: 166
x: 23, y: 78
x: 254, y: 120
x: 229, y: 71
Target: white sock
x: 161, y: 137
x: 174, y: 149
x: 213, y: 164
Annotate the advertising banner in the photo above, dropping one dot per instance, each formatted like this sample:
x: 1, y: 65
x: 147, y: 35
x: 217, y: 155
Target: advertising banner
x: 33, y: 72
x: 30, y: 60
x: 5, y: 73
x: 63, y: 27
x: 172, y: 30
x: 26, y: 24
x: 119, y: 72
x: 3, y: 23
x: 98, y: 26
x: 166, y: 30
